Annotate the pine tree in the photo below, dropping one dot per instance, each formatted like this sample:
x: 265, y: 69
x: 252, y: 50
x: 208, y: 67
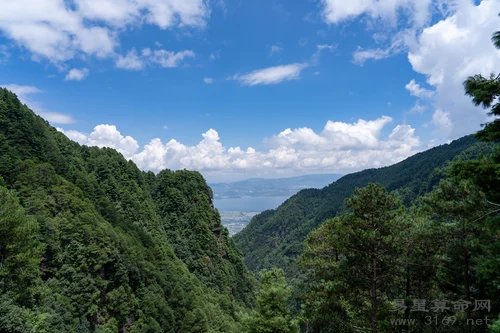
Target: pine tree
x: 359, y: 254
x: 273, y: 313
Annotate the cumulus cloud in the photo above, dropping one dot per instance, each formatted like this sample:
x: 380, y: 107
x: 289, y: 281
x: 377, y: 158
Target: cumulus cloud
x: 271, y: 75
x: 446, y: 51
x: 77, y: 74
x: 134, y: 60
x: 338, y: 147
x: 61, y: 29
x: 105, y: 135
x: 25, y: 94
x: 208, y: 80
x: 450, y: 51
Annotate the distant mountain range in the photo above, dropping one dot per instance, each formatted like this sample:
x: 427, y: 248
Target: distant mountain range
x: 277, y: 187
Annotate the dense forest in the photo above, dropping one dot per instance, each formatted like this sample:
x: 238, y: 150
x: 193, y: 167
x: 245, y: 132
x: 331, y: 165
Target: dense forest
x: 89, y: 243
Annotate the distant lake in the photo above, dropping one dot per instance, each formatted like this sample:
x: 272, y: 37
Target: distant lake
x: 248, y: 204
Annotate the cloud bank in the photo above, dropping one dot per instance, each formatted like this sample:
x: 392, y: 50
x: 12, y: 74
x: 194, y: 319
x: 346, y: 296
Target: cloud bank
x: 60, y: 30
x: 338, y: 147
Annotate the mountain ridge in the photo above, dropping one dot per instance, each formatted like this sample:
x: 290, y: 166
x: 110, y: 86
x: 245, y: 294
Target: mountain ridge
x: 275, y: 237
x: 117, y: 249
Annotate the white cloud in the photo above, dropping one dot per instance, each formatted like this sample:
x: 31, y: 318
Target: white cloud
x: 25, y: 93
x: 77, y: 74
x: 271, y: 75
x: 447, y: 53
x: 61, y: 29
x: 115, y: 12
x: 74, y: 135
x: 417, y: 90
x: 105, y: 135
x: 336, y: 11
x: 442, y: 120
x: 208, y: 80
x: 398, y: 44
x: 339, y: 147
x: 167, y: 59
x: 418, y: 108
x: 55, y: 117
x: 134, y: 60
x: 335, y: 135
x: 361, y: 56
x: 22, y: 91
x: 131, y: 61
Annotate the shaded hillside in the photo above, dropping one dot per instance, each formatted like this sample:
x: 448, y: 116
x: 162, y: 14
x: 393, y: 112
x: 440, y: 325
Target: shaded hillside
x: 276, y: 237
x: 89, y: 243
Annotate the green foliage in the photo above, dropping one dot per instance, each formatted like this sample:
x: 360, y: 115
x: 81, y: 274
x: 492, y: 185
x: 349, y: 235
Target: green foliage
x: 193, y: 226
x: 444, y: 248
x: 20, y: 251
x: 352, y: 260
x: 89, y: 243
x: 485, y: 92
x: 276, y: 237
x: 495, y: 327
x: 273, y: 314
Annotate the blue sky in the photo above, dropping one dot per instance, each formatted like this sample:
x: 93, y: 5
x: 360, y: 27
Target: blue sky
x: 310, y: 86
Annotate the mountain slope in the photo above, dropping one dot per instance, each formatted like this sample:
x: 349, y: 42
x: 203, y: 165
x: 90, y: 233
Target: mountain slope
x: 109, y: 248
x: 275, y: 237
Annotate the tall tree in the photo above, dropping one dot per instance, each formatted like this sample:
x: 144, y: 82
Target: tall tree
x: 361, y: 253
x: 273, y: 312
x: 461, y: 211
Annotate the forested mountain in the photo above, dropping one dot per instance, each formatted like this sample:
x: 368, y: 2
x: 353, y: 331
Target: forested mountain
x: 89, y: 243
x: 413, y: 247
x: 275, y: 237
